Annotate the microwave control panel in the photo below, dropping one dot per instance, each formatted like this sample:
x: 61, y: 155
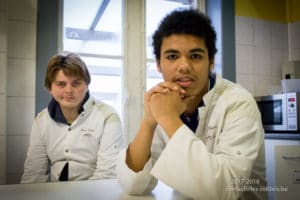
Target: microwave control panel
x: 292, y: 106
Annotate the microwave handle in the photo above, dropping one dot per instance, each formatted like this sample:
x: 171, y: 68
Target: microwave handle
x: 294, y: 158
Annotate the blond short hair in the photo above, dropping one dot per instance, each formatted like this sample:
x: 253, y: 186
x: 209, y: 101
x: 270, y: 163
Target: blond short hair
x: 70, y: 64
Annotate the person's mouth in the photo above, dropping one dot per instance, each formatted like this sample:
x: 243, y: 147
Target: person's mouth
x: 69, y: 98
x: 184, y: 81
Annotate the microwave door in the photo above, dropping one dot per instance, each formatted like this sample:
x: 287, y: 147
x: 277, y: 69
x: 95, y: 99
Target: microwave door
x: 274, y: 112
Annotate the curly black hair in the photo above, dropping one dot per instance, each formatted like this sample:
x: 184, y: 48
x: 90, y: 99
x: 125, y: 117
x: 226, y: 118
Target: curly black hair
x: 185, y: 21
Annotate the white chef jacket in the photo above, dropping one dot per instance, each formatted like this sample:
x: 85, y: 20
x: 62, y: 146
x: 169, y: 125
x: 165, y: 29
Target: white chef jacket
x: 224, y: 159
x: 90, y: 145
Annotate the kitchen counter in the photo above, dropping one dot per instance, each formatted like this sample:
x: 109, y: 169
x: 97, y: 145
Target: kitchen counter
x: 282, y: 135
x: 106, y: 189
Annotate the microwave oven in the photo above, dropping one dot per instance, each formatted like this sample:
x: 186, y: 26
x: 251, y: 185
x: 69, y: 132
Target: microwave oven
x: 280, y: 112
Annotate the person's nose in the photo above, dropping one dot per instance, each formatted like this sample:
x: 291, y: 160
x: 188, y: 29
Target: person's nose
x: 184, y: 65
x: 68, y: 89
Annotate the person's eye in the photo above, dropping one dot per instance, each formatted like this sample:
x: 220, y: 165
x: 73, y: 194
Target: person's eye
x: 196, y: 56
x: 172, y: 57
x: 60, y: 84
x: 76, y: 83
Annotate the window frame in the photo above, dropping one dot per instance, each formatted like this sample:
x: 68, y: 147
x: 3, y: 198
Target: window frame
x: 133, y: 75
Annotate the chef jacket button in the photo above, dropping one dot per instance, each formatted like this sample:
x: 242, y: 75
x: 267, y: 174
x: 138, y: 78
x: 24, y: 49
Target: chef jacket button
x: 238, y: 153
x: 67, y: 150
x: 69, y: 129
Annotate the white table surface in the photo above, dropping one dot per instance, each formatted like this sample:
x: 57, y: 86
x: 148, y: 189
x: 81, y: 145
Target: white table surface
x: 107, y: 189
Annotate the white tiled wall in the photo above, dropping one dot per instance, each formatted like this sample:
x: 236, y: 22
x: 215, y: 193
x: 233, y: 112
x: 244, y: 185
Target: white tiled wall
x: 20, y: 113
x: 3, y: 88
x: 21, y: 68
x: 22, y: 86
x: 25, y: 10
x: 3, y: 70
x: 18, y: 145
x: 2, y: 138
x: 261, y: 48
x: 295, y: 41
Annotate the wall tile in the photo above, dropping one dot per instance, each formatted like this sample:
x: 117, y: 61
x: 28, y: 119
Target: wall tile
x: 3, y: 31
x: 279, y: 35
x: 20, y: 115
x: 2, y: 159
x: 2, y: 146
x: 295, y: 32
x: 3, y: 66
x: 3, y: 90
x: 21, y: 73
x: 244, y: 30
x: 3, y: 114
x: 262, y: 33
x: 295, y: 54
x: 247, y: 81
x: 262, y: 85
x: 262, y: 61
x: 21, y: 40
x: 245, y: 59
x: 17, y: 147
x: 276, y: 84
x: 279, y: 56
x: 25, y: 10
x: 3, y: 72
x: 3, y: 5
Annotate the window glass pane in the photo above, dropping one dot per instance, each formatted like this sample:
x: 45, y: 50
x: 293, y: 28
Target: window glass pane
x: 156, y: 10
x: 153, y: 76
x: 105, y: 80
x: 93, y: 29
x: 93, y: 26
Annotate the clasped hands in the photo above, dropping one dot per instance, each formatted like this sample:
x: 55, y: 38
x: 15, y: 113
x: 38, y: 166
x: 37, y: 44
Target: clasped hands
x: 164, y: 103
